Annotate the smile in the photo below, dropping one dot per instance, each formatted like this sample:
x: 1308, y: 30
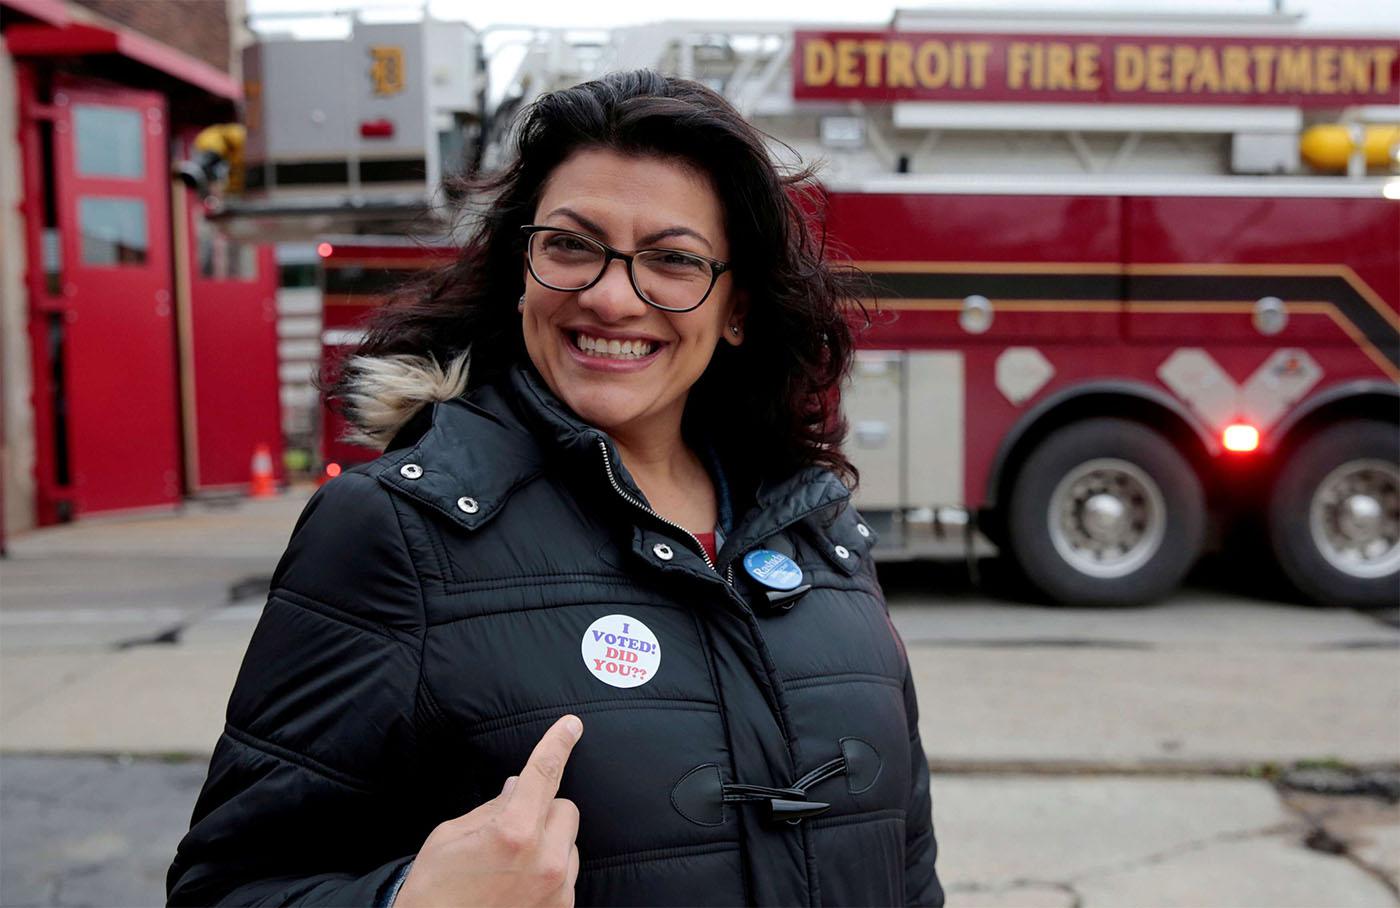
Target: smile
x: 605, y: 348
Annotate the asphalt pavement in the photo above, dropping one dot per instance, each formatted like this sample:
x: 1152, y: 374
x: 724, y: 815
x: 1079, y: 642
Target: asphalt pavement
x: 1217, y: 749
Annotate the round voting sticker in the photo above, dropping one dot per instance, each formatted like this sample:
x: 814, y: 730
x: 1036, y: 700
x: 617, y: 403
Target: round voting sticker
x: 621, y: 651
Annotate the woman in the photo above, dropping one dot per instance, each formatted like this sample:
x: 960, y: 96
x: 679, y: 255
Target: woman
x: 628, y: 509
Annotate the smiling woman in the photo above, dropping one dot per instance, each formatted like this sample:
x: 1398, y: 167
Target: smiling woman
x: 600, y: 626
x: 606, y: 346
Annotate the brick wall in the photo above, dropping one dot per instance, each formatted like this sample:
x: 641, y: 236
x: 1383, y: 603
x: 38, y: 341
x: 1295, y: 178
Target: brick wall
x: 197, y: 27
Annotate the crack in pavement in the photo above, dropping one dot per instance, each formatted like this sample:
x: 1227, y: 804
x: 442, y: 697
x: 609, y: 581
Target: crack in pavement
x: 1028, y: 642
x: 1143, y: 768
x: 1190, y: 847
x: 1322, y: 839
x: 1021, y: 884
x: 255, y: 586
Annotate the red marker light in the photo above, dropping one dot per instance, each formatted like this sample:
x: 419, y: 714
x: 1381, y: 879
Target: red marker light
x: 377, y: 129
x: 332, y: 470
x: 1241, y: 438
x: 324, y: 250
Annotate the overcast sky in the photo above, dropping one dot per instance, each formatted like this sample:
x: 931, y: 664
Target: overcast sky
x: 1368, y: 15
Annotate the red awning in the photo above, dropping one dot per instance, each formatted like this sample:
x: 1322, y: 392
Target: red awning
x: 75, y: 39
x: 51, y: 11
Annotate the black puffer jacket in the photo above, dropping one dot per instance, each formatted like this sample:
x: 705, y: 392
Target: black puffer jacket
x: 437, y: 609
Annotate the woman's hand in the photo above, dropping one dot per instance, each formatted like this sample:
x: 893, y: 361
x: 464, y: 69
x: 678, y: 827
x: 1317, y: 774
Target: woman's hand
x: 516, y: 849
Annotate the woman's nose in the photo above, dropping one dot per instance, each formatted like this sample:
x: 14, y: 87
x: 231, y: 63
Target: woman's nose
x: 612, y: 299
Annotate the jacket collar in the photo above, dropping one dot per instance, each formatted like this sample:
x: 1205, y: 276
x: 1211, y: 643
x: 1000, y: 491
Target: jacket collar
x: 553, y: 423
x: 781, y: 503
x: 465, y: 457
x: 778, y: 502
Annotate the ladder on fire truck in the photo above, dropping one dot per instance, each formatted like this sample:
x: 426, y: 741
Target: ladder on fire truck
x: 751, y: 64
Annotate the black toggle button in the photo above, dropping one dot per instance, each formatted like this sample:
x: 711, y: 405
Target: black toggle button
x: 787, y: 805
x: 794, y: 812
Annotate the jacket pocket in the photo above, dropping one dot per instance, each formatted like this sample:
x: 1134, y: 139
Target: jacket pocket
x: 860, y: 858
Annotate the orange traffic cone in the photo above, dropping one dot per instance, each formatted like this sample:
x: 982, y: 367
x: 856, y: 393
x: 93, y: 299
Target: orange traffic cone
x: 262, y: 485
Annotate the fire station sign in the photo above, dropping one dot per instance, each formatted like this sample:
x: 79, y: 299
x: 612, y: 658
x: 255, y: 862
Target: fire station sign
x: 903, y: 66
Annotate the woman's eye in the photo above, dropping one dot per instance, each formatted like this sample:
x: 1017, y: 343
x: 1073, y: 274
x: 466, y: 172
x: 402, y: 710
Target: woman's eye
x: 566, y: 244
x: 678, y: 261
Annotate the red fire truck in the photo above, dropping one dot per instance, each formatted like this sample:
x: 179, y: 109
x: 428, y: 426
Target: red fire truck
x: 1115, y: 320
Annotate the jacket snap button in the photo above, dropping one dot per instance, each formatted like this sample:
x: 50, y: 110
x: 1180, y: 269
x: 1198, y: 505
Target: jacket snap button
x: 663, y: 551
x: 863, y: 530
x: 410, y: 471
x: 842, y: 552
x: 468, y: 505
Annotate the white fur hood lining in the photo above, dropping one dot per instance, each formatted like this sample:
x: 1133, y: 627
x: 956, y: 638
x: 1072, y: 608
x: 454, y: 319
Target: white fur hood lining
x: 384, y: 392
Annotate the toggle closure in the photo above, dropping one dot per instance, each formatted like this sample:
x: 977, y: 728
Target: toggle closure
x: 701, y: 794
x: 788, y: 805
x: 782, y: 810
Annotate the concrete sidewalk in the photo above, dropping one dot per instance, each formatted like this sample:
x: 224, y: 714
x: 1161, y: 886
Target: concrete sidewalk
x: 989, y: 704
x: 101, y: 831
x: 1081, y: 757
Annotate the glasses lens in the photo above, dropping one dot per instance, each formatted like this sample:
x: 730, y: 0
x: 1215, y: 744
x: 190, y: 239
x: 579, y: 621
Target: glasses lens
x: 672, y: 279
x: 565, y: 261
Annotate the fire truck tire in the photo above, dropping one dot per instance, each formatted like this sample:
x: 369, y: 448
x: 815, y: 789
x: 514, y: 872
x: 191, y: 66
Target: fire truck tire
x: 1334, y: 515
x: 1106, y: 512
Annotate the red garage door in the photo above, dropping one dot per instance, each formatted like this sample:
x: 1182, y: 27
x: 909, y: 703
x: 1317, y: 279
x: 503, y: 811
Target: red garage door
x: 115, y: 345
x: 232, y: 345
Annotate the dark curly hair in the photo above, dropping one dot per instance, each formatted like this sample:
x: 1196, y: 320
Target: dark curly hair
x: 771, y: 405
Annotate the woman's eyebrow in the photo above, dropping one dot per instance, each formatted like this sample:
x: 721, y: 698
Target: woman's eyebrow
x: 653, y: 237
x: 584, y: 222
x: 673, y: 231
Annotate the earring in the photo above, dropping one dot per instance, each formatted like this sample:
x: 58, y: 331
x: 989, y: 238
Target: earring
x: 520, y: 306
x: 734, y: 330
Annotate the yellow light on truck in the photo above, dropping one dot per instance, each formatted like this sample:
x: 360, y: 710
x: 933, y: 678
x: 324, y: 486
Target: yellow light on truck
x: 1329, y: 146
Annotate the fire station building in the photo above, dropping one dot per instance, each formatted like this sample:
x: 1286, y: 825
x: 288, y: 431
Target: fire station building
x: 139, y: 360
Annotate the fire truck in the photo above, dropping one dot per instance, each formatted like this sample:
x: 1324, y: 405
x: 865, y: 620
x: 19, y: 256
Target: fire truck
x: 1135, y: 286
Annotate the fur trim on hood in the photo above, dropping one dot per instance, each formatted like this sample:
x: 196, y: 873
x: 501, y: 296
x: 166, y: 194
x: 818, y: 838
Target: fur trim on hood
x: 384, y: 393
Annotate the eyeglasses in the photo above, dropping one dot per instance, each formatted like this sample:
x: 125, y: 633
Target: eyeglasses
x: 668, y: 279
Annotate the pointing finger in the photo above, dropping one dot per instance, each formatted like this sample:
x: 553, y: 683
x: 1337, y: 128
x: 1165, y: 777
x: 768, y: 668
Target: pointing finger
x: 539, y: 779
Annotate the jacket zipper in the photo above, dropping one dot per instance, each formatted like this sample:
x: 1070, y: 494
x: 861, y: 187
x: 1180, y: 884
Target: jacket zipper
x: 729, y: 570
x: 612, y: 478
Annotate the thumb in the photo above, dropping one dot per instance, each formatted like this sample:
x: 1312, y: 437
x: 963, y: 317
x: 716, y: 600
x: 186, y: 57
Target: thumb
x: 507, y: 788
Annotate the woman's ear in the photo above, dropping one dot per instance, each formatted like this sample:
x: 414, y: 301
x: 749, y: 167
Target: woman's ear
x: 734, y: 327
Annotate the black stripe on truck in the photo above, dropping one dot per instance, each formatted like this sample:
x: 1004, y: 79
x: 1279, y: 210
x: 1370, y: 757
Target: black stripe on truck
x: 1149, y: 288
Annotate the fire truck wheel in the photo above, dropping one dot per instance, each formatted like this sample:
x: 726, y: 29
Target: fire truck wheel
x: 1334, y: 516
x: 1106, y: 512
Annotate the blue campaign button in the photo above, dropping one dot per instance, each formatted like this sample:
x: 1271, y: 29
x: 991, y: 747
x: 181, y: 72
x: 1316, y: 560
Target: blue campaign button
x: 773, y: 569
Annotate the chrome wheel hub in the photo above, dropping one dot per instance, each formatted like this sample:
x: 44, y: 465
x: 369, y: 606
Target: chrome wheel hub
x: 1103, y: 518
x: 1107, y: 517
x: 1354, y: 518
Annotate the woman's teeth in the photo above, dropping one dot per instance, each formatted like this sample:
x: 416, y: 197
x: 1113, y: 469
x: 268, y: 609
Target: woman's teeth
x: 613, y: 349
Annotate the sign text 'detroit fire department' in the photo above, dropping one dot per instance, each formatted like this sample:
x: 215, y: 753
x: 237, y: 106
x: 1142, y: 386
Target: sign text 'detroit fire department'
x: 904, y: 66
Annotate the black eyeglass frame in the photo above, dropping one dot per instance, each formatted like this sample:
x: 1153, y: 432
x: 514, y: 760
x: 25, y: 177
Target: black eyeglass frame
x: 717, y: 268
